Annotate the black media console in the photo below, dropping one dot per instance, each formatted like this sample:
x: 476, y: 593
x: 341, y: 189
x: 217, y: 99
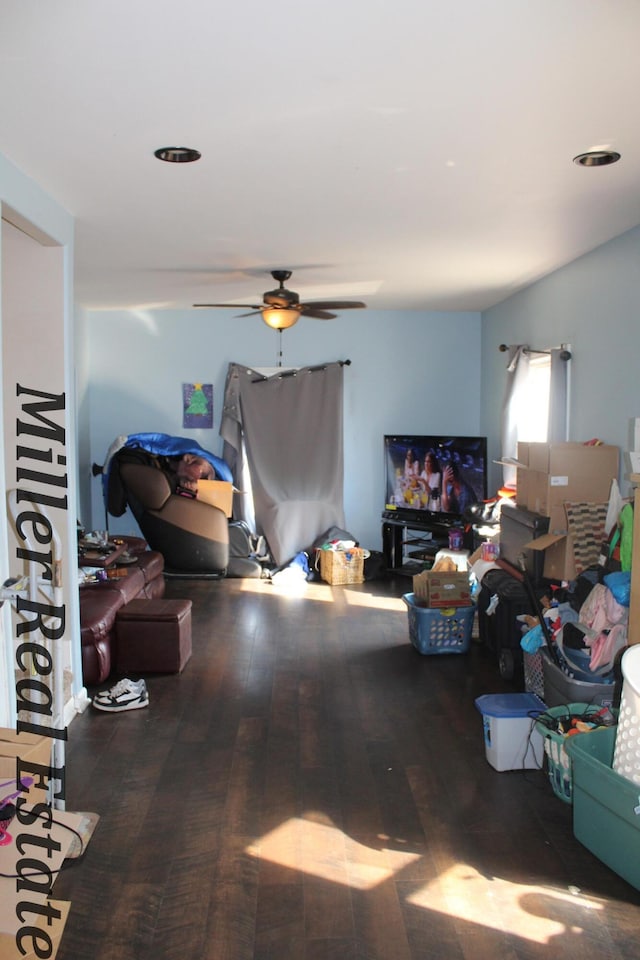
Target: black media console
x: 409, y: 540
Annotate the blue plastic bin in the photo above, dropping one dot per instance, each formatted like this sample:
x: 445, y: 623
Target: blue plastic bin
x: 433, y: 630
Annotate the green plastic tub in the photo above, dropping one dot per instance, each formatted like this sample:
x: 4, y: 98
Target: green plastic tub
x: 606, y: 806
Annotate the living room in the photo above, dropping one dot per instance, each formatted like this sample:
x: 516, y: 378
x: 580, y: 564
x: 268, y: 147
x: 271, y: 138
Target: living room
x: 389, y: 386
x: 414, y: 370
x: 411, y: 370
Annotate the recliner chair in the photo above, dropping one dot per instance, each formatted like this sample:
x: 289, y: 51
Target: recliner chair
x: 192, y: 536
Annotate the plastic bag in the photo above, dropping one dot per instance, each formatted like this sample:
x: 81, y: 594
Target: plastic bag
x: 619, y: 583
x: 533, y: 639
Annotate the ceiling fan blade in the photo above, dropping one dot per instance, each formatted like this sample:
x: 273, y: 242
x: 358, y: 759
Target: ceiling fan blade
x: 310, y: 311
x: 230, y: 306
x: 334, y: 304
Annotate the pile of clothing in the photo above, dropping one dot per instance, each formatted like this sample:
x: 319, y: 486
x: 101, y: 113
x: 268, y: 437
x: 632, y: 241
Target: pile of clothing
x: 587, y: 641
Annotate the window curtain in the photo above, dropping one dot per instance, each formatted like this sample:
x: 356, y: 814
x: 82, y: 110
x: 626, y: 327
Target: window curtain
x: 558, y: 428
x: 517, y: 374
x: 283, y: 439
x: 518, y: 367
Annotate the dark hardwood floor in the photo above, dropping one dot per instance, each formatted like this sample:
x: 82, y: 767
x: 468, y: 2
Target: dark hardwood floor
x: 311, y: 788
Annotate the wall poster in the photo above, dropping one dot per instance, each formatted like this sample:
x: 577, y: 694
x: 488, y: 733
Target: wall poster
x: 197, y: 405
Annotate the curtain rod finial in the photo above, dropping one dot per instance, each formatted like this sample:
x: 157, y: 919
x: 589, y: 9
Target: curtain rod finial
x: 503, y: 348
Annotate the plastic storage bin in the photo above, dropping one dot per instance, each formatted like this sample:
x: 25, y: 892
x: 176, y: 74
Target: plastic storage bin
x: 560, y: 689
x: 511, y: 739
x: 559, y: 768
x: 626, y: 759
x: 435, y: 630
x: 606, y: 807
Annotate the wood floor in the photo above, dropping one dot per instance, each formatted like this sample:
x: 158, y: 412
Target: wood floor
x: 311, y: 788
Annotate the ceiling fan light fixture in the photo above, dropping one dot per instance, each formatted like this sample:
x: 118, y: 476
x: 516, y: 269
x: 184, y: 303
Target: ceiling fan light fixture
x: 597, y: 158
x: 177, y: 154
x: 280, y: 318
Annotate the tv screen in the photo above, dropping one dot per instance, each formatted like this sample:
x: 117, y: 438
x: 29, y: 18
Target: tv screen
x: 434, y: 477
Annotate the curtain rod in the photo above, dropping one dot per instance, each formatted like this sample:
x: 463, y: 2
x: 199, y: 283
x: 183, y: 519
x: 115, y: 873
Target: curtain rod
x: 564, y: 354
x: 293, y: 373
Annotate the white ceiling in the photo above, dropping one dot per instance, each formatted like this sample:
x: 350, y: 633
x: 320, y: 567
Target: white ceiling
x: 411, y: 153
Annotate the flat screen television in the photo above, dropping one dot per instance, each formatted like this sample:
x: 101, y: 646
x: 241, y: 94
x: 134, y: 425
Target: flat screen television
x: 434, y: 478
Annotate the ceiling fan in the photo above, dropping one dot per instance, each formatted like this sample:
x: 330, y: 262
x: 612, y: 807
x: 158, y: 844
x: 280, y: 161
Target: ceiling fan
x: 281, y: 308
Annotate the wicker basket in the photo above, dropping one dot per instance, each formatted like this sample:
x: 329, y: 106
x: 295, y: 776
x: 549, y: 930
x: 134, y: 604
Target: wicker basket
x: 341, y: 566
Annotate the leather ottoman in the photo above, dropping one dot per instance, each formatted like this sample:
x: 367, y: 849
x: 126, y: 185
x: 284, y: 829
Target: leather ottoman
x: 153, y: 636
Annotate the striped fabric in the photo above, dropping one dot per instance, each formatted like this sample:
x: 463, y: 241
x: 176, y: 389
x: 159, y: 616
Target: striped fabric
x: 586, y: 523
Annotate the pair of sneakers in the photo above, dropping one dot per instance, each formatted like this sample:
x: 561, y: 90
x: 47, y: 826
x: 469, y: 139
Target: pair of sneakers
x: 124, y: 695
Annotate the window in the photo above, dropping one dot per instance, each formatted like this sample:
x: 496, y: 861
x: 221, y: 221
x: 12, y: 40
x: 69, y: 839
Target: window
x: 536, y: 400
x: 532, y: 401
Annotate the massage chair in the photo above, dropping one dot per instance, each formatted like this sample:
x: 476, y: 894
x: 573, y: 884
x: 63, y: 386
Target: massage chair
x: 192, y: 536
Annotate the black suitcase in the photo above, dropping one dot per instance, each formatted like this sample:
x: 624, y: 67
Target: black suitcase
x: 499, y: 630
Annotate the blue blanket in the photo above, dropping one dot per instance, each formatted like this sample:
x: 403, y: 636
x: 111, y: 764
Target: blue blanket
x: 156, y: 444
x: 162, y: 444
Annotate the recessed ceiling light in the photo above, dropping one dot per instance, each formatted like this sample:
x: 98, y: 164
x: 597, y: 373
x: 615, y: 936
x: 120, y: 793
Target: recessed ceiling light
x: 177, y: 154
x: 596, y: 158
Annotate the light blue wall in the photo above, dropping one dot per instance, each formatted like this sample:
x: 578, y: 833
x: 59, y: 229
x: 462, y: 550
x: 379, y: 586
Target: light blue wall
x: 594, y: 304
x: 413, y: 372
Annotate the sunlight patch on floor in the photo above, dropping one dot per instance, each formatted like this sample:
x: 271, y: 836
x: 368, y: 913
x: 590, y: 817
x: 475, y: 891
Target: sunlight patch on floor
x: 314, y: 846
x: 295, y: 588
x: 323, y: 851
x: 358, y: 599
x: 531, y: 911
x: 323, y: 593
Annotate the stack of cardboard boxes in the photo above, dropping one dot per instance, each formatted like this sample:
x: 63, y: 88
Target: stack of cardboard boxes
x: 32, y: 848
x: 442, y: 588
x: 550, y: 475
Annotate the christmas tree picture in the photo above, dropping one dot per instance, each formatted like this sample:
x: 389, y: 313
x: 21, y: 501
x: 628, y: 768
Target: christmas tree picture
x: 197, y: 401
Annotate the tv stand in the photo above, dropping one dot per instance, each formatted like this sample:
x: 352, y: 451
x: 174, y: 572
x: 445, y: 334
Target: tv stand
x: 409, y: 542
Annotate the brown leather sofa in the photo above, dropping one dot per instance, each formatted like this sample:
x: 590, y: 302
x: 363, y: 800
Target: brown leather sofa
x: 100, y: 602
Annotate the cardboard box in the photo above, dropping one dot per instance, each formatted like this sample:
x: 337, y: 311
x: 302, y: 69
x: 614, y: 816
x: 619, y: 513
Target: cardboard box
x: 558, y: 547
x: 552, y: 473
x: 442, y: 589
x: 218, y: 493
x: 51, y: 931
x: 31, y: 748
x: 522, y: 487
x: 522, y: 453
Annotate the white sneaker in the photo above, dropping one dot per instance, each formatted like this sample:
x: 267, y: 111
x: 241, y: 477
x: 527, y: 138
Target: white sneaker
x: 125, y: 695
x: 120, y: 687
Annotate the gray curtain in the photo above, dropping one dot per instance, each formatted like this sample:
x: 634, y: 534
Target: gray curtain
x: 517, y: 373
x: 558, y: 429
x: 283, y: 439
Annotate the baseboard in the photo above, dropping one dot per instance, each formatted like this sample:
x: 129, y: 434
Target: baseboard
x: 194, y: 574
x: 77, y: 704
